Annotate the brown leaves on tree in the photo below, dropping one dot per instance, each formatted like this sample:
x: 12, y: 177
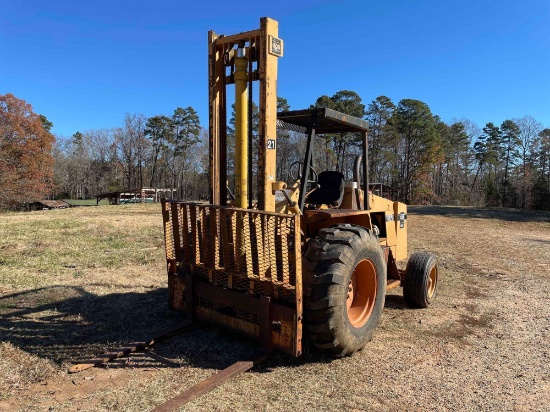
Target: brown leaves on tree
x: 26, y: 162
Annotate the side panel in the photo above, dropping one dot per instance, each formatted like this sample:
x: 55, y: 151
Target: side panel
x: 383, y: 213
x: 389, y: 216
x: 400, y: 213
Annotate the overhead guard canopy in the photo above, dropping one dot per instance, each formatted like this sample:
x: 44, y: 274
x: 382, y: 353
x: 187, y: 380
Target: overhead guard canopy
x: 327, y: 121
x: 324, y: 121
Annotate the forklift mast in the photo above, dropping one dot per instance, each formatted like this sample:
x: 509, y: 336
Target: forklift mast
x: 242, y: 59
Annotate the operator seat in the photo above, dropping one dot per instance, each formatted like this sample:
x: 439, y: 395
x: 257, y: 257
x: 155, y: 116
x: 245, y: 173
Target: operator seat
x: 330, y: 190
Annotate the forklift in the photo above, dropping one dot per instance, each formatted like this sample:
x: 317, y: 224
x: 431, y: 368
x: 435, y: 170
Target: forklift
x: 293, y: 265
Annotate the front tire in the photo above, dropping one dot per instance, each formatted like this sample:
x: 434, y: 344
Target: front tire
x: 344, y: 288
x: 421, y: 279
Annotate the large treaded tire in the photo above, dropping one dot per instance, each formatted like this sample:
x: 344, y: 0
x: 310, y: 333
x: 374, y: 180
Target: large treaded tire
x: 330, y: 262
x: 421, y: 280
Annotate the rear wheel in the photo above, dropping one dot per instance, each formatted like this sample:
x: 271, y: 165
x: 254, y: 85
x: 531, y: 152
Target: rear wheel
x: 421, y: 278
x: 344, y: 288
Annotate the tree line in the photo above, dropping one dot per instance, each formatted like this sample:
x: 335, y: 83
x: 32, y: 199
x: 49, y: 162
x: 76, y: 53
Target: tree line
x: 422, y: 158
x: 160, y: 151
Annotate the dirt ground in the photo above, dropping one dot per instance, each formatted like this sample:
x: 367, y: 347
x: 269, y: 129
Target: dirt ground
x: 77, y: 282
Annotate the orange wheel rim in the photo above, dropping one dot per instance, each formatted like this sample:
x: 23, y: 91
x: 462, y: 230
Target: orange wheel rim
x: 361, y: 293
x: 432, y: 282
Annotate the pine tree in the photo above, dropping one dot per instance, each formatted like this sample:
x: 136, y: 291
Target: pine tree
x: 422, y: 145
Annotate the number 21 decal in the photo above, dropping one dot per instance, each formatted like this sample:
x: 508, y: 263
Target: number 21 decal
x: 271, y: 144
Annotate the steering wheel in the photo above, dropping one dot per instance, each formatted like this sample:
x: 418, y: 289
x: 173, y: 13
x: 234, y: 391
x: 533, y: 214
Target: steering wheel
x: 295, y: 172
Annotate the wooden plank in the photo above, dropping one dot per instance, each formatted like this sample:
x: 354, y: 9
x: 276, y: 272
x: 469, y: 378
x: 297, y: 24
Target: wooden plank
x: 125, y: 350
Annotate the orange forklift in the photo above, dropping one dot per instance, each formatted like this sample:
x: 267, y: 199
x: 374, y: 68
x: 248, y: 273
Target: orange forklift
x: 305, y: 260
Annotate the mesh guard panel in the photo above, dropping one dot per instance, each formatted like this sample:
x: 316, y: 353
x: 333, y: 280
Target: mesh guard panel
x: 241, y: 256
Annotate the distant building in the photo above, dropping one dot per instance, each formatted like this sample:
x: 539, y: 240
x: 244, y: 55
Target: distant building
x: 143, y: 195
x: 44, y: 204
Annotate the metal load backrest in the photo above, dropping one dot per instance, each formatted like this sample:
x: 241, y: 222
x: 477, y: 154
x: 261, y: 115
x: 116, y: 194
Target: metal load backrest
x: 237, y: 268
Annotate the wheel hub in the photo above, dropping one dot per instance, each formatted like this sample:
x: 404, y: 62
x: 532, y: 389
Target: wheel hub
x: 361, y: 294
x: 432, y: 282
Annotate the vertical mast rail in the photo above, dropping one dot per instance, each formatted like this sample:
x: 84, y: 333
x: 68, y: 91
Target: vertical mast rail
x: 307, y: 166
x: 366, y: 196
x: 267, y: 63
x: 214, y: 92
x: 251, y: 57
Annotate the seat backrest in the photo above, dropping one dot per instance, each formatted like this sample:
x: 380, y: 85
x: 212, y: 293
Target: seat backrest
x: 330, y: 191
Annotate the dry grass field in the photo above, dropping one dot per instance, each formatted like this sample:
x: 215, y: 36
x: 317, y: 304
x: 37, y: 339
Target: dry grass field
x: 77, y: 282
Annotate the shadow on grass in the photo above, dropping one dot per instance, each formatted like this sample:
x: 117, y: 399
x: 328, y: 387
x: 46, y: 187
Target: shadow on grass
x: 511, y: 215
x: 64, y: 324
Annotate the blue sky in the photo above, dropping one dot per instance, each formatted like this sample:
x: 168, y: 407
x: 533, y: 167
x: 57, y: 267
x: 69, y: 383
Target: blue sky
x: 85, y: 64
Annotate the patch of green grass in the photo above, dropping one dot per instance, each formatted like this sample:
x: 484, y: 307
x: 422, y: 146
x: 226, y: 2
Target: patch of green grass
x: 86, y: 202
x: 45, y: 247
x: 81, y: 281
x: 78, y: 274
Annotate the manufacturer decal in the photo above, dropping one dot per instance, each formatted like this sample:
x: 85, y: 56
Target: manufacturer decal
x: 276, y: 46
x: 402, y: 217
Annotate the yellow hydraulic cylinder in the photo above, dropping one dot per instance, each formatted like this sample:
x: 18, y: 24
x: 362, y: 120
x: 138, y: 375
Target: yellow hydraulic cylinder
x: 241, y: 131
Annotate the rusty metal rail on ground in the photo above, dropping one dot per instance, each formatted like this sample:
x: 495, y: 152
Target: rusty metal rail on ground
x: 126, y: 350
x: 212, y: 382
x: 195, y: 391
